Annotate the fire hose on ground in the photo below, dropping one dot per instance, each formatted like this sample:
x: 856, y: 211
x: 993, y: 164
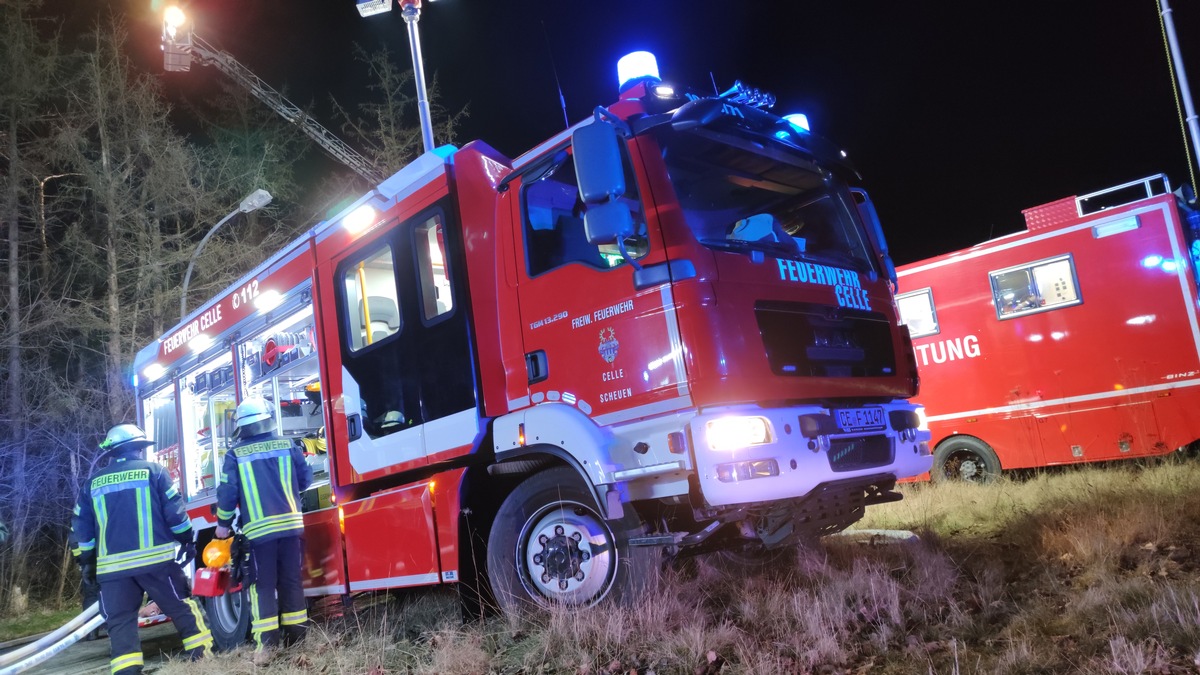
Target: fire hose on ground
x: 214, y: 575
x: 36, y: 652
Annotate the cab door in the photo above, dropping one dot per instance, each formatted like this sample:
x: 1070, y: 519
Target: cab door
x: 406, y: 370
x: 404, y: 394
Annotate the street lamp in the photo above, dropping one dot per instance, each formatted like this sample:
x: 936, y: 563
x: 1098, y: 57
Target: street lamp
x: 255, y: 201
x: 411, y: 11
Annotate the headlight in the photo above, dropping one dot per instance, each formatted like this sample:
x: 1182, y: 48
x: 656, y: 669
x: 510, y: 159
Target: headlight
x: 923, y: 419
x: 731, y: 433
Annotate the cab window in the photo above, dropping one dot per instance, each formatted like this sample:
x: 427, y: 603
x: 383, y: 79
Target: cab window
x: 432, y: 269
x: 372, y: 306
x: 553, y: 219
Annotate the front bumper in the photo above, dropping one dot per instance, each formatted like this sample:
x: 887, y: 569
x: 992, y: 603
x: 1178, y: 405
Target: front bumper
x: 806, y: 449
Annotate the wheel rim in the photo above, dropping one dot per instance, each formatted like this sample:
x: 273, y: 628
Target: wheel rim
x: 964, y: 465
x: 567, y: 555
x: 225, y: 611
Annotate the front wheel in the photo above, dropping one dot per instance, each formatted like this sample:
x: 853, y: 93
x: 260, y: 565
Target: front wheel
x: 550, y: 545
x: 228, y: 618
x: 965, y: 459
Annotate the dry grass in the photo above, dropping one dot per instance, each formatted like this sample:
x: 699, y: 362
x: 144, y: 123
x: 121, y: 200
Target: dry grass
x: 1082, y: 571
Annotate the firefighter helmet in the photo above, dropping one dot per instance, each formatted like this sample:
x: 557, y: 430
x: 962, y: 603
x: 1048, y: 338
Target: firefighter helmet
x: 125, y: 440
x: 252, y: 418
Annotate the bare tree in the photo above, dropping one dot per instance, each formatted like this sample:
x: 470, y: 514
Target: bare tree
x: 387, y: 126
x: 26, y: 63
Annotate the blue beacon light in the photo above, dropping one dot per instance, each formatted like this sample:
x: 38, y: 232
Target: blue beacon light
x: 636, y: 67
x: 798, y: 120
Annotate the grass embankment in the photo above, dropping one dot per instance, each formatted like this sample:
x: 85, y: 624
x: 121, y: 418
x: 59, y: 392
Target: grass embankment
x: 1084, y: 571
x: 33, y: 623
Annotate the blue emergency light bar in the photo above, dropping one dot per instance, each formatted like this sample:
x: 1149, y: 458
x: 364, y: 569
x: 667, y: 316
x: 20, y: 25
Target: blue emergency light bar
x: 636, y: 67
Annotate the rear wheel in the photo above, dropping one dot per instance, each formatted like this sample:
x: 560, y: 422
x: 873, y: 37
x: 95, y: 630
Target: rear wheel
x: 550, y: 545
x: 966, y: 459
x: 228, y: 619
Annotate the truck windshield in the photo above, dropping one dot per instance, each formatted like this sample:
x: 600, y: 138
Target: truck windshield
x: 741, y: 195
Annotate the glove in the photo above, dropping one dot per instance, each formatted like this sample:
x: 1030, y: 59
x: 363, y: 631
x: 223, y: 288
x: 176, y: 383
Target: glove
x: 88, y: 571
x: 187, y: 553
x: 238, y: 552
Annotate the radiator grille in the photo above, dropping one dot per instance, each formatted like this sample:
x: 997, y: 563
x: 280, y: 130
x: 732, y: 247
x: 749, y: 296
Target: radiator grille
x: 818, y: 341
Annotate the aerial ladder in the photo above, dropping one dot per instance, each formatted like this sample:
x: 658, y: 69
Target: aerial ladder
x: 181, y: 46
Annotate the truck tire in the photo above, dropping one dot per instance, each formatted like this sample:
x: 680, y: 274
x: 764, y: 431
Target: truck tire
x: 966, y: 459
x: 550, y: 545
x: 228, y: 619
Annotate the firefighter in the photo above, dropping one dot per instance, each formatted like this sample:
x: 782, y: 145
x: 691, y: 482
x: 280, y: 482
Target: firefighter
x: 263, y: 476
x: 128, y: 519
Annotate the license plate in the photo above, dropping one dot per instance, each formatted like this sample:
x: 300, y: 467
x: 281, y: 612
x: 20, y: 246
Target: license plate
x: 861, y: 419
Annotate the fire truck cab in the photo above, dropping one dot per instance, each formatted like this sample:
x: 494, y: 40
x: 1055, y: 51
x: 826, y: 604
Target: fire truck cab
x: 667, y: 330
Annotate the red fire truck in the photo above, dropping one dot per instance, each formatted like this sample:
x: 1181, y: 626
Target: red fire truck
x: 1076, y: 340
x: 666, y: 330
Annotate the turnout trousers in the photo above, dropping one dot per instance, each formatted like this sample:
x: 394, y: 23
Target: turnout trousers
x: 166, y: 585
x: 276, y: 596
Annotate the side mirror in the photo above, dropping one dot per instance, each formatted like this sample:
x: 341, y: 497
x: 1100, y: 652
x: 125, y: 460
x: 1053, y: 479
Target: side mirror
x: 866, y: 209
x: 598, y: 163
x: 601, y: 181
x: 608, y: 223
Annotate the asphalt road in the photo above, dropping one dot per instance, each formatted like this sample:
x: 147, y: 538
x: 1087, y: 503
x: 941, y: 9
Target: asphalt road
x: 159, y: 642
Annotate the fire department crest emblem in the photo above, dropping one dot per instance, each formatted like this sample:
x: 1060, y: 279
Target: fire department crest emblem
x: 608, y: 344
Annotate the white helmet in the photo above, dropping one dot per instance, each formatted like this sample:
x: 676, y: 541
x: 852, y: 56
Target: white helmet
x: 252, y: 418
x: 125, y: 439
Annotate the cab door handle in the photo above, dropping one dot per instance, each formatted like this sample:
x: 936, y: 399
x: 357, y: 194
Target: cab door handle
x: 537, y: 367
x: 353, y: 427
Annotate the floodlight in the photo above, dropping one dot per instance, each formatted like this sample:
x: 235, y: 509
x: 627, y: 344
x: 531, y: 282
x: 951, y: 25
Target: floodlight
x: 373, y: 7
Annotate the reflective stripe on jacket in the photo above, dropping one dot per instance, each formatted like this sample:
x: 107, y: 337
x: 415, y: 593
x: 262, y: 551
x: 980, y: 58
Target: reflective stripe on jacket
x: 263, y: 476
x: 129, y: 516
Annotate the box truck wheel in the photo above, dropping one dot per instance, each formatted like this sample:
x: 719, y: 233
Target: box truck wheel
x: 550, y: 545
x: 966, y: 459
x: 228, y: 619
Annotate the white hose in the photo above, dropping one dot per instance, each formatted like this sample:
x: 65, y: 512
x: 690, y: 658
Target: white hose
x: 50, y: 638
x: 95, y: 622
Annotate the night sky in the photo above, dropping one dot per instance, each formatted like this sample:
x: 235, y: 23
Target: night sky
x: 958, y: 115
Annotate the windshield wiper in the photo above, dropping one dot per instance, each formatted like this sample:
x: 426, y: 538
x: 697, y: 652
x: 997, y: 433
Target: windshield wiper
x: 744, y: 245
x: 786, y: 250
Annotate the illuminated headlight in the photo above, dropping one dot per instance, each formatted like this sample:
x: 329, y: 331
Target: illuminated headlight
x: 731, y: 433
x: 922, y: 419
